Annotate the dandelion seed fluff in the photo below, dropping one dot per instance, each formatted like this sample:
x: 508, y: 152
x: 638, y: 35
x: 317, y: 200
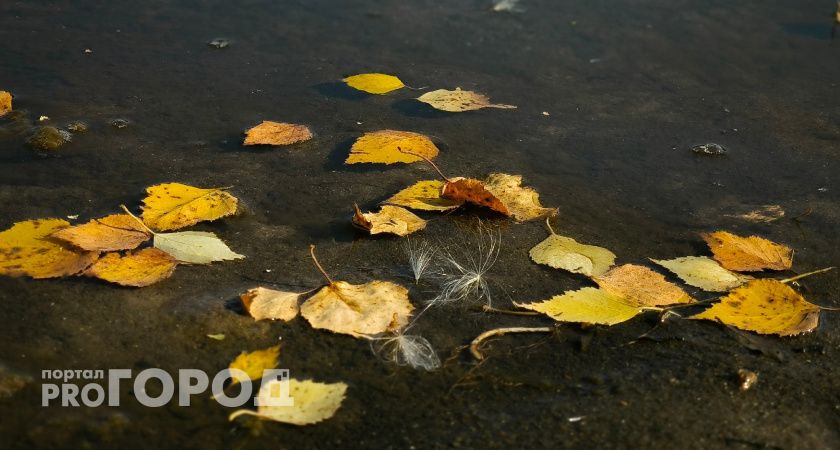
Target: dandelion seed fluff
x: 407, y: 350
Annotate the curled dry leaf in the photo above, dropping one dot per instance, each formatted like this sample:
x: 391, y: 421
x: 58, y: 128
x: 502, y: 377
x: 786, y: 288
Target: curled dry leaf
x: 386, y: 147
x: 501, y: 193
x: 765, y: 214
x: 358, y: 309
x: 171, y: 206
x: 374, y: 83
x: 110, y: 233
x: 766, y: 307
x: 459, y: 100
x: 138, y: 269
x: 277, y: 133
x: 389, y: 219
x: 587, y: 305
x: 262, y: 303
x: 704, y: 273
x: 748, y: 254
x: 640, y: 286
x: 27, y: 248
x: 5, y: 103
x: 195, y: 247
x: 312, y: 401
x: 565, y: 253
x: 254, y: 363
x: 425, y: 196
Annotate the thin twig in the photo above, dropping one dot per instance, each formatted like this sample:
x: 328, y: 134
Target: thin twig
x: 490, y: 309
x: 806, y: 274
x: 476, y: 343
x: 318, y: 265
x: 427, y: 160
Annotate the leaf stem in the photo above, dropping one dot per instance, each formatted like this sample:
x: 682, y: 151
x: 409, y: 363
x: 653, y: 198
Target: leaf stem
x: 490, y: 309
x: 476, y: 343
x: 138, y: 220
x: 807, y: 274
x: 548, y: 224
x: 318, y: 265
x: 427, y: 160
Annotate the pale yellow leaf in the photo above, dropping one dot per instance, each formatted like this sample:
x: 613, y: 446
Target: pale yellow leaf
x: 364, y: 309
x: 703, y: 272
x: 458, y: 100
x: 563, y: 252
x: 312, y: 401
x: 195, y: 247
x: 262, y: 303
x: 390, y: 219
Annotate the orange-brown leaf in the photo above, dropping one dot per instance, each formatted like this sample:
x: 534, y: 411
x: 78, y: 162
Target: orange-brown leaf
x: 277, y: 133
x: 640, y: 286
x: 470, y: 190
x: 110, y: 233
x: 748, y: 254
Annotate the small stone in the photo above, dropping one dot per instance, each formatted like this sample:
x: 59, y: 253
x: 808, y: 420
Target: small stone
x: 77, y: 126
x: 43, y: 118
x: 48, y: 138
x: 711, y: 149
x: 219, y: 43
x: 119, y: 123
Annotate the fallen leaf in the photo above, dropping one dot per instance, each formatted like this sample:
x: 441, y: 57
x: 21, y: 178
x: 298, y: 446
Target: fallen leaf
x: 195, y: 247
x: 253, y: 363
x: 425, y: 196
x: 171, y: 206
x: 262, y: 303
x: 389, y: 219
x: 767, y: 307
x: 138, y: 269
x: 640, y: 286
x: 110, y: 233
x: 374, y: 83
x: 704, y: 273
x: 587, y: 305
x: 27, y: 248
x: 313, y: 401
x: 217, y: 337
x: 385, y: 147
x: 561, y: 252
x: 358, y: 309
x: 748, y: 254
x: 277, y: 133
x: 5, y: 103
x: 499, y: 192
x: 458, y: 100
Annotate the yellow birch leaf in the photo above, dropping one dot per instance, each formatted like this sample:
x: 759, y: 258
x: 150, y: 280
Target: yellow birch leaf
x: 384, y: 147
x: 138, y: 269
x: 458, y: 100
x: 703, y: 272
x: 27, y: 248
x: 253, y: 363
x: 389, y: 219
x: 748, y: 254
x: 587, y: 305
x: 767, y: 307
x: 312, y: 401
x: 110, y: 233
x: 262, y: 303
x: 5, y: 103
x: 374, y: 83
x: 195, y: 247
x: 640, y: 286
x: 563, y: 252
x: 358, y: 309
x: 171, y: 206
x: 425, y: 196
x: 277, y: 133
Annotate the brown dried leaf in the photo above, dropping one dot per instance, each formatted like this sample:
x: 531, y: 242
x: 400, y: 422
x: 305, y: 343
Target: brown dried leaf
x: 277, y: 133
x: 748, y: 254
x: 640, y: 286
x: 110, y: 233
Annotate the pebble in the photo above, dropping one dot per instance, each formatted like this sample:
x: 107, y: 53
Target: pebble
x: 48, y: 138
x: 711, y: 149
x: 219, y: 43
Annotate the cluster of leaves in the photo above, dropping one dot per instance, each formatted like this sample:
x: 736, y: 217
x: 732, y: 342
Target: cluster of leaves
x: 765, y: 306
x: 109, y: 247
